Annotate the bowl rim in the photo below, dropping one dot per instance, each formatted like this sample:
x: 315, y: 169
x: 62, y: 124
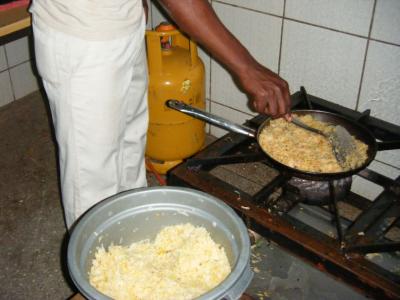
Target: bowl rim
x: 242, y: 264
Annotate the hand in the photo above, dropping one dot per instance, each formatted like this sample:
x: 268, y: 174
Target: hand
x: 268, y: 92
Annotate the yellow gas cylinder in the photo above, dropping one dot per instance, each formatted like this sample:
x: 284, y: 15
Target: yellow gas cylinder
x: 175, y: 72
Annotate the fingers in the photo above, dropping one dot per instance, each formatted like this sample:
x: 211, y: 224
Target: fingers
x: 288, y: 117
x: 288, y: 101
x: 282, y: 107
x: 272, y: 108
x: 282, y: 98
x: 267, y: 105
x: 286, y: 96
x: 275, y: 103
x: 270, y: 93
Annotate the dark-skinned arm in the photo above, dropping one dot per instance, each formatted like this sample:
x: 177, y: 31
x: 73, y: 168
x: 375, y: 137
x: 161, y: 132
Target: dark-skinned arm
x: 268, y: 92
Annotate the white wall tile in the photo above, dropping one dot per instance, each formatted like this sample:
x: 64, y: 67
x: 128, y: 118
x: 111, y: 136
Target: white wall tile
x: 208, y: 109
x: 386, y: 26
x: 390, y: 157
x: 327, y: 63
x: 229, y: 114
x: 384, y: 169
x: 23, y: 80
x: 205, y: 57
x: 380, y: 90
x: 3, y: 59
x: 365, y: 188
x: 271, y: 6
x: 149, y: 17
x: 225, y: 91
x: 158, y: 15
x: 17, y: 51
x: 260, y: 34
x: 369, y: 189
x: 6, y: 93
x: 349, y: 16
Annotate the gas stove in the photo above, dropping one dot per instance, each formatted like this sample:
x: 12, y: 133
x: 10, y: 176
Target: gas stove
x: 339, y: 231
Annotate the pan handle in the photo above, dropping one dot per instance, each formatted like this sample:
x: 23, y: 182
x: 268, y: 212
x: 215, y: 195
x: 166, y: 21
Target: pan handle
x: 392, y: 145
x: 210, y: 118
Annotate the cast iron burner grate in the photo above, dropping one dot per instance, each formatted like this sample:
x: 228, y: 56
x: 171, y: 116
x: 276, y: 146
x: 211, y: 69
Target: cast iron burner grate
x: 280, y: 212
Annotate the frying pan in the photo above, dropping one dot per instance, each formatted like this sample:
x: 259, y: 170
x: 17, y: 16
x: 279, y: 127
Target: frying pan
x: 355, y: 129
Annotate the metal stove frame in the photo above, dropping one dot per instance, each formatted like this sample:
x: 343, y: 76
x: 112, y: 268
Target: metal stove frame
x: 343, y: 257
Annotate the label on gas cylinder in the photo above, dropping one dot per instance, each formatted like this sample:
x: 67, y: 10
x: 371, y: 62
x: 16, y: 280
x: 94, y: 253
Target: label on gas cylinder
x: 186, y: 85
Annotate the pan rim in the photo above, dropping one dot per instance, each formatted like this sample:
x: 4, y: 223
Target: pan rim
x: 320, y: 176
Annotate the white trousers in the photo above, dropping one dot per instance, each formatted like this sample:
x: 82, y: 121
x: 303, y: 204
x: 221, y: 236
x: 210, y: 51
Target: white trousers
x: 97, y: 91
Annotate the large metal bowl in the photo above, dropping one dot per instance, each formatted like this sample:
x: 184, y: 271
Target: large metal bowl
x: 140, y: 214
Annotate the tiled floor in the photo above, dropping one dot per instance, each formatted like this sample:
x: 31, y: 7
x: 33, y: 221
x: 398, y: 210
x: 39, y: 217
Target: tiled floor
x: 31, y: 220
x: 32, y: 239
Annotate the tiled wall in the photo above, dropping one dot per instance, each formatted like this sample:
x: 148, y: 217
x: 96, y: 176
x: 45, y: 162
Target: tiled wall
x: 343, y: 51
x: 17, y: 77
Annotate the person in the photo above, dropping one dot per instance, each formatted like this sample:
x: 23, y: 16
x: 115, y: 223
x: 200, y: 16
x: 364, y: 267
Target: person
x: 92, y: 61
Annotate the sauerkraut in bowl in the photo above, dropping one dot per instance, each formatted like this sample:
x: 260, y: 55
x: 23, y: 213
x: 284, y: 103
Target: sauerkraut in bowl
x: 181, y: 263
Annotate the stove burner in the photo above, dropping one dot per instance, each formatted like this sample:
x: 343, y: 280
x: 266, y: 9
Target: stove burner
x: 280, y: 210
x: 318, y: 192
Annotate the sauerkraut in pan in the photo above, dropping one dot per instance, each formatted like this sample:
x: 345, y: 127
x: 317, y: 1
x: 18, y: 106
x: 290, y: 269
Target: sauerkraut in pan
x: 304, y: 150
x: 182, y: 263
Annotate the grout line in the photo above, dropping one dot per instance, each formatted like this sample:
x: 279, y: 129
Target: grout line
x: 247, y: 8
x: 384, y: 42
x: 325, y: 27
x: 150, y: 12
x: 210, y: 66
x: 6, y: 57
x: 9, y: 75
x: 308, y: 23
x: 343, y: 32
x: 209, y: 75
x: 210, y: 79
x: 235, y: 109
x: 152, y: 15
x: 281, y: 40
x: 387, y: 164
x: 208, y: 108
x: 21, y: 63
x: 365, y: 57
x: 11, y: 84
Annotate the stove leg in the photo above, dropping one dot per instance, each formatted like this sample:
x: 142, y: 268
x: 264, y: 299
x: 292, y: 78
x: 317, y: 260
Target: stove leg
x: 334, y: 206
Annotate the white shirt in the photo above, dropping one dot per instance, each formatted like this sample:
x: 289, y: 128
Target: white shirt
x: 90, y: 19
